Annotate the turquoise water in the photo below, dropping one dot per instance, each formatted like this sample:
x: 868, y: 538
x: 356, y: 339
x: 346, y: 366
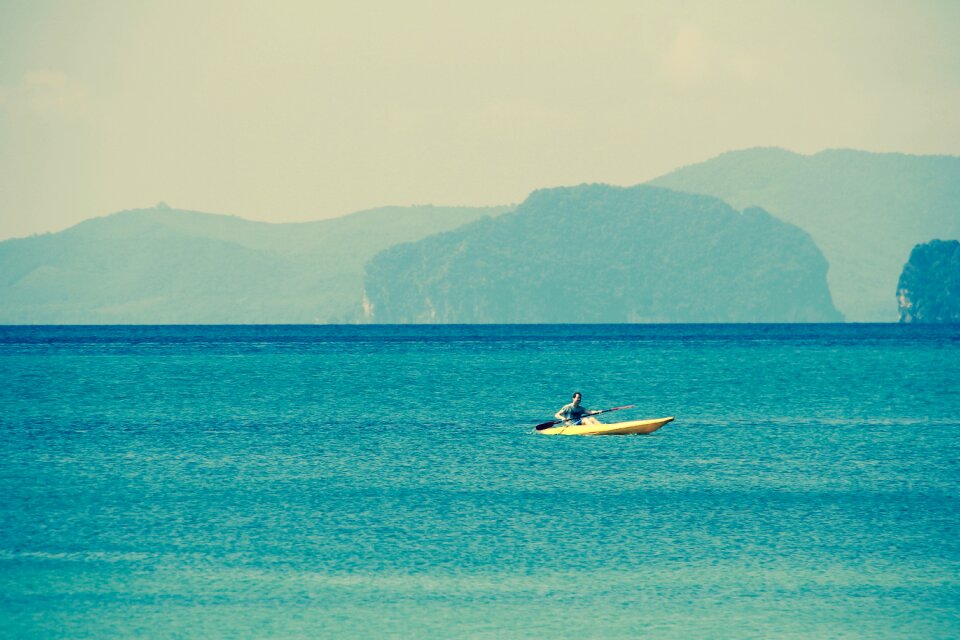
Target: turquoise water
x: 253, y: 482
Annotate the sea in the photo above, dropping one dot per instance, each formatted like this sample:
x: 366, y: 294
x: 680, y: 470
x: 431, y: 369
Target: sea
x: 387, y: 482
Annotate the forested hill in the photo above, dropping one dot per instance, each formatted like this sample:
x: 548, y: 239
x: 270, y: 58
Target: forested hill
x: 596, y: 253
x: 160, y: 266
x: 929, y: 287
x: 864, y: 210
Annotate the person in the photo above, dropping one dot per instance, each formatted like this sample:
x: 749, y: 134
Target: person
x: 575, y: 413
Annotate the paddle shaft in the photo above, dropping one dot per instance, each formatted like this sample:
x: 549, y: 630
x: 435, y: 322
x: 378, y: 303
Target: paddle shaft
x: 547, y: 425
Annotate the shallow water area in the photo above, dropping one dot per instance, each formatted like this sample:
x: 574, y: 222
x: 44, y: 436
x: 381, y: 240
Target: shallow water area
x: 386, y: 481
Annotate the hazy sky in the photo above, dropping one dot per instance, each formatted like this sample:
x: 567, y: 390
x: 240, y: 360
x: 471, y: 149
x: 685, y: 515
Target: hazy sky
x: 299, y: 110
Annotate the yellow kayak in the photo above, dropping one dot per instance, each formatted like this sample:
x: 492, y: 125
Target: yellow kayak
x: 613, y: 429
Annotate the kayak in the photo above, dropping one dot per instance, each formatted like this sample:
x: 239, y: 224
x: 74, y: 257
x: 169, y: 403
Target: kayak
x: 613, y: 429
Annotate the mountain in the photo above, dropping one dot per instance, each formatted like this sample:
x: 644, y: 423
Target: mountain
x: 864, y: 210
x: 929, y: 287
x: 596, y: 253
x: 170, y: 266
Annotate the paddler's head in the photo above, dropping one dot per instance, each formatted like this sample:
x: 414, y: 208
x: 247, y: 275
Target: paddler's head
x: 576, y: 397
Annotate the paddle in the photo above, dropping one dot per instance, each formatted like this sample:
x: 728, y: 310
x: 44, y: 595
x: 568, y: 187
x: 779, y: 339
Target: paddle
x: 547, y: 425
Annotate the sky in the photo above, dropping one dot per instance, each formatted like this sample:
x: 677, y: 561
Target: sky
x: 295, y: 110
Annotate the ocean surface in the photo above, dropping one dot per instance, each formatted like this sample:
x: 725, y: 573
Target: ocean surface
x: 369, y: 482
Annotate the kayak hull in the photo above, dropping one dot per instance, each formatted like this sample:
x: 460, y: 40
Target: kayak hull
x: 613, y: 429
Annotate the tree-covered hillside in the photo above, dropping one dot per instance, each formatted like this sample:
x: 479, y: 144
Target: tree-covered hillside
x: 169, y: 266
x: 596, y: 253
x: 864, y: 210
x: 929, y: 287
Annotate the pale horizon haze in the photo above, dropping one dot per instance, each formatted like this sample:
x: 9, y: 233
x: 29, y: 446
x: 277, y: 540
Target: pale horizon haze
x: 294, y: 111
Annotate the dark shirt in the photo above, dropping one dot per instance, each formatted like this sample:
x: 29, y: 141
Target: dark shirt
x: 572, y: 414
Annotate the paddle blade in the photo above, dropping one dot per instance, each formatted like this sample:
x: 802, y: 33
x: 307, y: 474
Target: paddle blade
x: 545, y: 425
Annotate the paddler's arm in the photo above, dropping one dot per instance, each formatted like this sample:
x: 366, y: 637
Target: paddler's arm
x: 588, y: 414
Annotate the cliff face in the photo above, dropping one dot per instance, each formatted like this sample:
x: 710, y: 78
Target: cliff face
x: 864, y: 210
x: 596, y: 253
x: 929, y: 287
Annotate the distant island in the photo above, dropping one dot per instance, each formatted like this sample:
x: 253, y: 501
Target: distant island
x: 168, y: 266
x: 603, y: 254
x: 758, y: 235
x: 929, y: 287
x: 864, y: 210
